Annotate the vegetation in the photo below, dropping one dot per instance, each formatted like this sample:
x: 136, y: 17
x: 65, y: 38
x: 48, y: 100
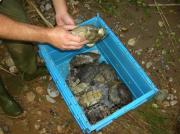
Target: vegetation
x: 138, y: 3
x: 155, y: 119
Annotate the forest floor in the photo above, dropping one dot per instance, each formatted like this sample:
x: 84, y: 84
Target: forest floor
x: 153, y: 42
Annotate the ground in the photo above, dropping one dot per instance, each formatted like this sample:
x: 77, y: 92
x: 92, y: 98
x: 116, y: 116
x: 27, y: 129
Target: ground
x: 153, y: 43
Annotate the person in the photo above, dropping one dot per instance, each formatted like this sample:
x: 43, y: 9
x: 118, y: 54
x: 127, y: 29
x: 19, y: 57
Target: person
x: 17, y: 35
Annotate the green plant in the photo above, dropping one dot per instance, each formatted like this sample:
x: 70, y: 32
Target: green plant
x: 138, y: 3
x: 156, y: 120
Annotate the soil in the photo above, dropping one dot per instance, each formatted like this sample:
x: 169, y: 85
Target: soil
x: 43, y: 117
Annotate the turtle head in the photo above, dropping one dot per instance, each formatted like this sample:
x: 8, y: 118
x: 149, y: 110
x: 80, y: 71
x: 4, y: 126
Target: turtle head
x: 101, y: 32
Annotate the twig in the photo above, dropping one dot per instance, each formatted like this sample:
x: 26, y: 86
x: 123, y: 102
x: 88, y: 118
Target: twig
x: 170, y: 30
x: 166, y: 24
x: 5, y: 70
x: 163, y: 5
x: 40, y: 14
x: 160, y: 13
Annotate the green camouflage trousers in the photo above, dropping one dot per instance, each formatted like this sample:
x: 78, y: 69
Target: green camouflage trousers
x: 22, y: 53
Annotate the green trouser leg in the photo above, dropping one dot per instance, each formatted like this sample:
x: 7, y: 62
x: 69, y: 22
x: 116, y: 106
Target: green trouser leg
x: 8, y: 104
x: 22, y: 53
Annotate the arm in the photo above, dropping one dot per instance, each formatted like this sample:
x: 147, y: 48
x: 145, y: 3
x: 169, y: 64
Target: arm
x: 60, y: 6
x: 19, y: 31
x: 58, y: 36
x: 62, y: 15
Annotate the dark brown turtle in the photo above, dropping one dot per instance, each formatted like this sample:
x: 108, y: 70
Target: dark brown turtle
x: 97, y: 113
x: 81, y: 67
x: 87, y: 72
x: 84, y: 58
x: 119, y: 94
x: 108, y: 72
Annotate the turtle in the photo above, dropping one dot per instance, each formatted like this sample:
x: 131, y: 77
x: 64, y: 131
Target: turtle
x: 104, y: 88
x: 90, y: 98
x: 96, y: 86
x: 84, y: 58
x: 84, y: 66
x: 99, y: 78
x: 89, y: 32
x: 80, y: 88
x: 96, y: 72
x: 87, y: 72
x: 97, y: 113
x: 119, y: 94
x: 107, y: 72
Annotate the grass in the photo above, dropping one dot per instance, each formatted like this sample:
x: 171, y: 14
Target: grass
x: 158, y: 123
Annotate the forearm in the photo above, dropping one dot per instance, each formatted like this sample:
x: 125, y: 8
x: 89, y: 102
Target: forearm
x: 10, y: 29
x: 58, y: 36
x: 60, y: 6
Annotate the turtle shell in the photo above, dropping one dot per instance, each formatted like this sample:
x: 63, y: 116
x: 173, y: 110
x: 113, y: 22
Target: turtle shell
x: 84, y: 58
x: 97, y: 113
x: 80, y: 88
x: 108, y: 72
x: 89, y: 32
x: 119, y: 94
x: 90, y: 98
x: 87, y: 72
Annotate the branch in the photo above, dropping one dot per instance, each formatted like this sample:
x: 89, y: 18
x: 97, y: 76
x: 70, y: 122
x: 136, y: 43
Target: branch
x: 165, y: 21
x: 163, y: 5
x: 40, y: 14
x: 5, y: 70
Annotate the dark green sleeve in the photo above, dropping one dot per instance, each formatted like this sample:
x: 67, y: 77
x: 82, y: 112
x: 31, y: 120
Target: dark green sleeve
x: 22, y: 53
x: 14, y: 9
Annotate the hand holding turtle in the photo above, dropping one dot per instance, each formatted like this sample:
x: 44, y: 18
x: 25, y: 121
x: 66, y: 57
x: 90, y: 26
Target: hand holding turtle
x: 61, y: 38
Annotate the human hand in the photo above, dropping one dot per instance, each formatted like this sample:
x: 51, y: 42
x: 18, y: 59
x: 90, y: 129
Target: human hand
x: 61, y: 38
x: 64, y: 19
x: 62, y: 15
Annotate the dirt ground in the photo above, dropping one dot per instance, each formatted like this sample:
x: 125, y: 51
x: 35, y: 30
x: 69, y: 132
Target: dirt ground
x: 157, y: 50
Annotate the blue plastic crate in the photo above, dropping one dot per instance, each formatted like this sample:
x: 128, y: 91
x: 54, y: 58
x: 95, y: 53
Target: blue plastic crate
x: 112, y: 52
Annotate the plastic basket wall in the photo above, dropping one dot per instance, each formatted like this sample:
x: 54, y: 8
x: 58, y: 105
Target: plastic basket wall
x: 114, y: 53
